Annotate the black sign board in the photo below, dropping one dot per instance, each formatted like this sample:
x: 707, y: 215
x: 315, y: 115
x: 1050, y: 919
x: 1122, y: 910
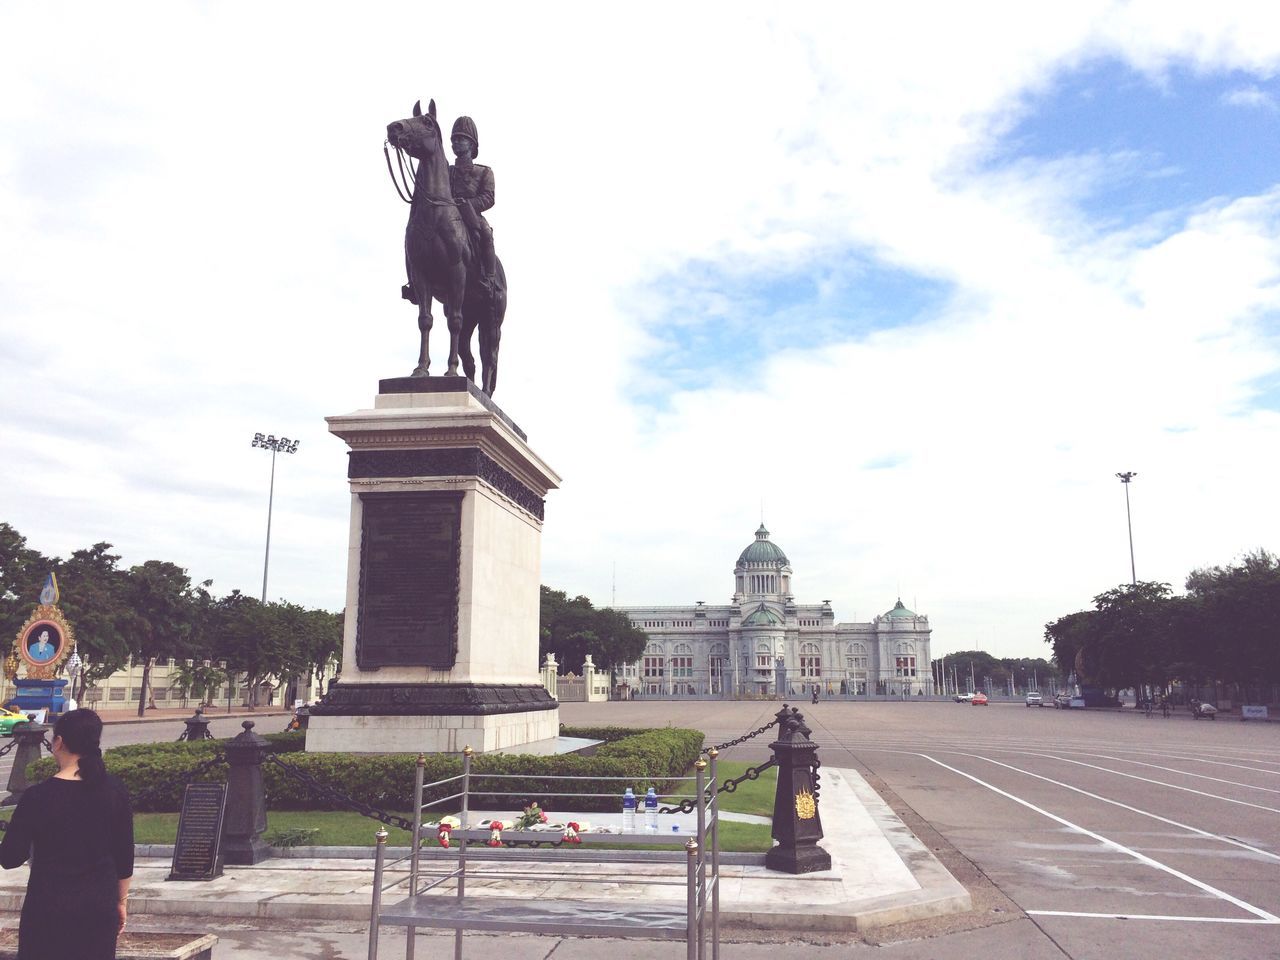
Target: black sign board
x: 410, y: 563
x: 198, y: 853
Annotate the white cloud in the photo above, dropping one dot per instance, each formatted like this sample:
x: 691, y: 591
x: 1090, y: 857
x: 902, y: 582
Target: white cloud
x: 201, y: 243
x: 1251, y: 97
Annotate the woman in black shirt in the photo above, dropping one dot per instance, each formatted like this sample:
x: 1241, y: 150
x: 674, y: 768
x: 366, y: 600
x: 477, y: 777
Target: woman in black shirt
x: 77, y: 829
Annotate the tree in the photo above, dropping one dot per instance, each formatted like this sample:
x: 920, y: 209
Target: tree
x: 1069, y: 636
x: 161, y: 616
x: 22, y: 573
x: 199, y: 679
x: 240, y: 633
x: 320, y: 642
x: 571, y: 629
x: 1239, y: 619
x: 94, y: 598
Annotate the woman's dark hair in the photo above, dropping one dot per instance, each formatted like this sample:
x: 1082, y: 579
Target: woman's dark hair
x: 81, y: 732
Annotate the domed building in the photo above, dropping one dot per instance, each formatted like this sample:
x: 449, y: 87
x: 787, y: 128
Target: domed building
x: 763, y: 643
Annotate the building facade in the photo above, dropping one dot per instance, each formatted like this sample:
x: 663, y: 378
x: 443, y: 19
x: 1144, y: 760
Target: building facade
x: 122, y: 689
x: 764, y: 643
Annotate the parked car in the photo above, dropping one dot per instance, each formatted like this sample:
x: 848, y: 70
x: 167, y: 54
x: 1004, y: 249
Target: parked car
x: 1034, y: 699
x: 979, y: 700
x: 10, y: 718
x: 963, y: 697
x: 1062, y: 701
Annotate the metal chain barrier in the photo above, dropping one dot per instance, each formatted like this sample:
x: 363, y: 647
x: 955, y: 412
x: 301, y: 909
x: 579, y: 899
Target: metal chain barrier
x: 744, y: 738
x: 817, y: 785
x: 332, y: 793
x: 12, y: 743
x: 729, y: 786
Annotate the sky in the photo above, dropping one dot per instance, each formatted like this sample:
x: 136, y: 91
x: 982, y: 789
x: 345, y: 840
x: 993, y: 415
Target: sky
x: 911, y: 281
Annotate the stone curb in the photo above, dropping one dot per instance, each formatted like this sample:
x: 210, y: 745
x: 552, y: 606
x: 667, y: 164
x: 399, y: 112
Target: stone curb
x: 109, y: 721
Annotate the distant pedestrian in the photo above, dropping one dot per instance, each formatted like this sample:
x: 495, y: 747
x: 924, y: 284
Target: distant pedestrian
x: 77, y: 830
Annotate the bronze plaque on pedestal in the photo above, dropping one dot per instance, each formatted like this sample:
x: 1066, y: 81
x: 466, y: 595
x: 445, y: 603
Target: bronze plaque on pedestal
x: 197, y: 854
x: 410, y: 565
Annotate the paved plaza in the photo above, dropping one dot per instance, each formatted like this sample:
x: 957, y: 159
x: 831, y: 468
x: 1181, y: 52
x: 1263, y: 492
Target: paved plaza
x: 1075, y: 833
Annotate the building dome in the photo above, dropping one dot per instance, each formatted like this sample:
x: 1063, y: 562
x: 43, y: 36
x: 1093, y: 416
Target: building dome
x: 763, y: 550
x: 762, y: 616
x: 899, y: 612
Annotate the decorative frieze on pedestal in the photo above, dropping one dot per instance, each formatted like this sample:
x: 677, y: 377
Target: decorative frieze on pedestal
x: 440, y: 645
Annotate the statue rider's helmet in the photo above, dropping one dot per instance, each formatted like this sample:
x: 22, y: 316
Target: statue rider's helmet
x: 466, y: 127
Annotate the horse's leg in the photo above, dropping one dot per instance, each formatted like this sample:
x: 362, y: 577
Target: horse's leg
x: 464, y: 342
x: 490, y: 355
x: 453, y: 315
x: 424, y: 328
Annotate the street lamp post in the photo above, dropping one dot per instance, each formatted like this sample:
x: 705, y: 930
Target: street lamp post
x: 281, y: 445
x: 1125, y: 478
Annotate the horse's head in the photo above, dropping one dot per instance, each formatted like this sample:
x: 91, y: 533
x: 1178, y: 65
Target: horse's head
x: 419, y: 135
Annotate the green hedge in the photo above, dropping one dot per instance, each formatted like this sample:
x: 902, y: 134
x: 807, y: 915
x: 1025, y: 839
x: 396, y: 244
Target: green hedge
x: 646, y: 757
x: 143, y: 765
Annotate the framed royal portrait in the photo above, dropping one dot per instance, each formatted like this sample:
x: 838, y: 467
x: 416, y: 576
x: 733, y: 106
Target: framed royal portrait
x: 44, y: 642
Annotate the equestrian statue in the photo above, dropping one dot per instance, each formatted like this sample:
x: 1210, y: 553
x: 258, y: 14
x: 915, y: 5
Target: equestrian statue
x: 448, y: 243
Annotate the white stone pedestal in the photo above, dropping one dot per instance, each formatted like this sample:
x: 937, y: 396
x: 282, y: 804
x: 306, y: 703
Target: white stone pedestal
x: 440, y: 641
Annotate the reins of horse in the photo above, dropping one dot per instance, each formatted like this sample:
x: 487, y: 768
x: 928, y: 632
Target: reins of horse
x: 409, y: 181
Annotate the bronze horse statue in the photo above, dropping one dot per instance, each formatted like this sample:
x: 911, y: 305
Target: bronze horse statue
x: 439, y: 257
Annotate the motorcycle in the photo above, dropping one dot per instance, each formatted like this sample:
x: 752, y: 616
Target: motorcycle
x: 1203, y: 711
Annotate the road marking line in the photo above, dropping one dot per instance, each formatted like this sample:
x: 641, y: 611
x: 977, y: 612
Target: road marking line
x: 1223, y: 763
x: 1183, y: 773
x: 1125, y: 806
x: 1160, y: 783
x: 1105, y: 841
x: 1146, y: 916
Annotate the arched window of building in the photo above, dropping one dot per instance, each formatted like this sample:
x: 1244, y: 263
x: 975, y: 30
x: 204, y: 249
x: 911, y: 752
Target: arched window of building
x: 855, y: 660
x: 764, y: 656
x: 810, y: 660
x: 682, y: 661
x: 653, y: 661
x: 904, y: 661
x: 717, y: 661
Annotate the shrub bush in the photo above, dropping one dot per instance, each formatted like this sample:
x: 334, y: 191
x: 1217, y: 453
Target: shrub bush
x: 645, y: 757
x: 143, y: 766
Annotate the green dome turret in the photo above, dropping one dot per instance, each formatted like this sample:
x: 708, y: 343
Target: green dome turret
x: 762, y: 550
x: 762, y: 616
x: 899, y: 612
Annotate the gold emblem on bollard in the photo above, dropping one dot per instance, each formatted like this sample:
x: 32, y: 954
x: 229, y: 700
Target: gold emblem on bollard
x: 806, y: 807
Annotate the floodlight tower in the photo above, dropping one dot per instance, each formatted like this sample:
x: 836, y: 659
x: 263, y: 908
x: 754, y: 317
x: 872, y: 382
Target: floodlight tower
x: 281, y: 445
x: 1125, y: 478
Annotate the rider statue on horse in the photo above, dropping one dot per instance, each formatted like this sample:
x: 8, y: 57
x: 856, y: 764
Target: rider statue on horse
x: 448, y: 251
x: 472, y: 185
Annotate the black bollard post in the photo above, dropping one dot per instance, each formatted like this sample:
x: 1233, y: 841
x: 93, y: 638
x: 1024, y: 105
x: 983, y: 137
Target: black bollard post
x: 796, y: 824
x: 246, y: 800
x: 197, y: 727
x: 30, y: 737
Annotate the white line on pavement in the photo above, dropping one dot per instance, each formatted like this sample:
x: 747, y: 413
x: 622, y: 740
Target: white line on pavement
x: 1146, y: 916
x: 1185, y: 773
x: 1154, y: 816
x: 1223, y: 763
x: 1105, y: 841
x: 1161, y: 783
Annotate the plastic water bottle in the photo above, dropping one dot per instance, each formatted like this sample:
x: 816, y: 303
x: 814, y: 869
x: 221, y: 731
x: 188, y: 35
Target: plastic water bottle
x: 651, y: 811
x: 628, y: 812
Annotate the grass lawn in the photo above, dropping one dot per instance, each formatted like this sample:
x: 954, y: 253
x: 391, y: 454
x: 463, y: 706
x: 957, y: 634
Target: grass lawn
x: 752, y: 796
